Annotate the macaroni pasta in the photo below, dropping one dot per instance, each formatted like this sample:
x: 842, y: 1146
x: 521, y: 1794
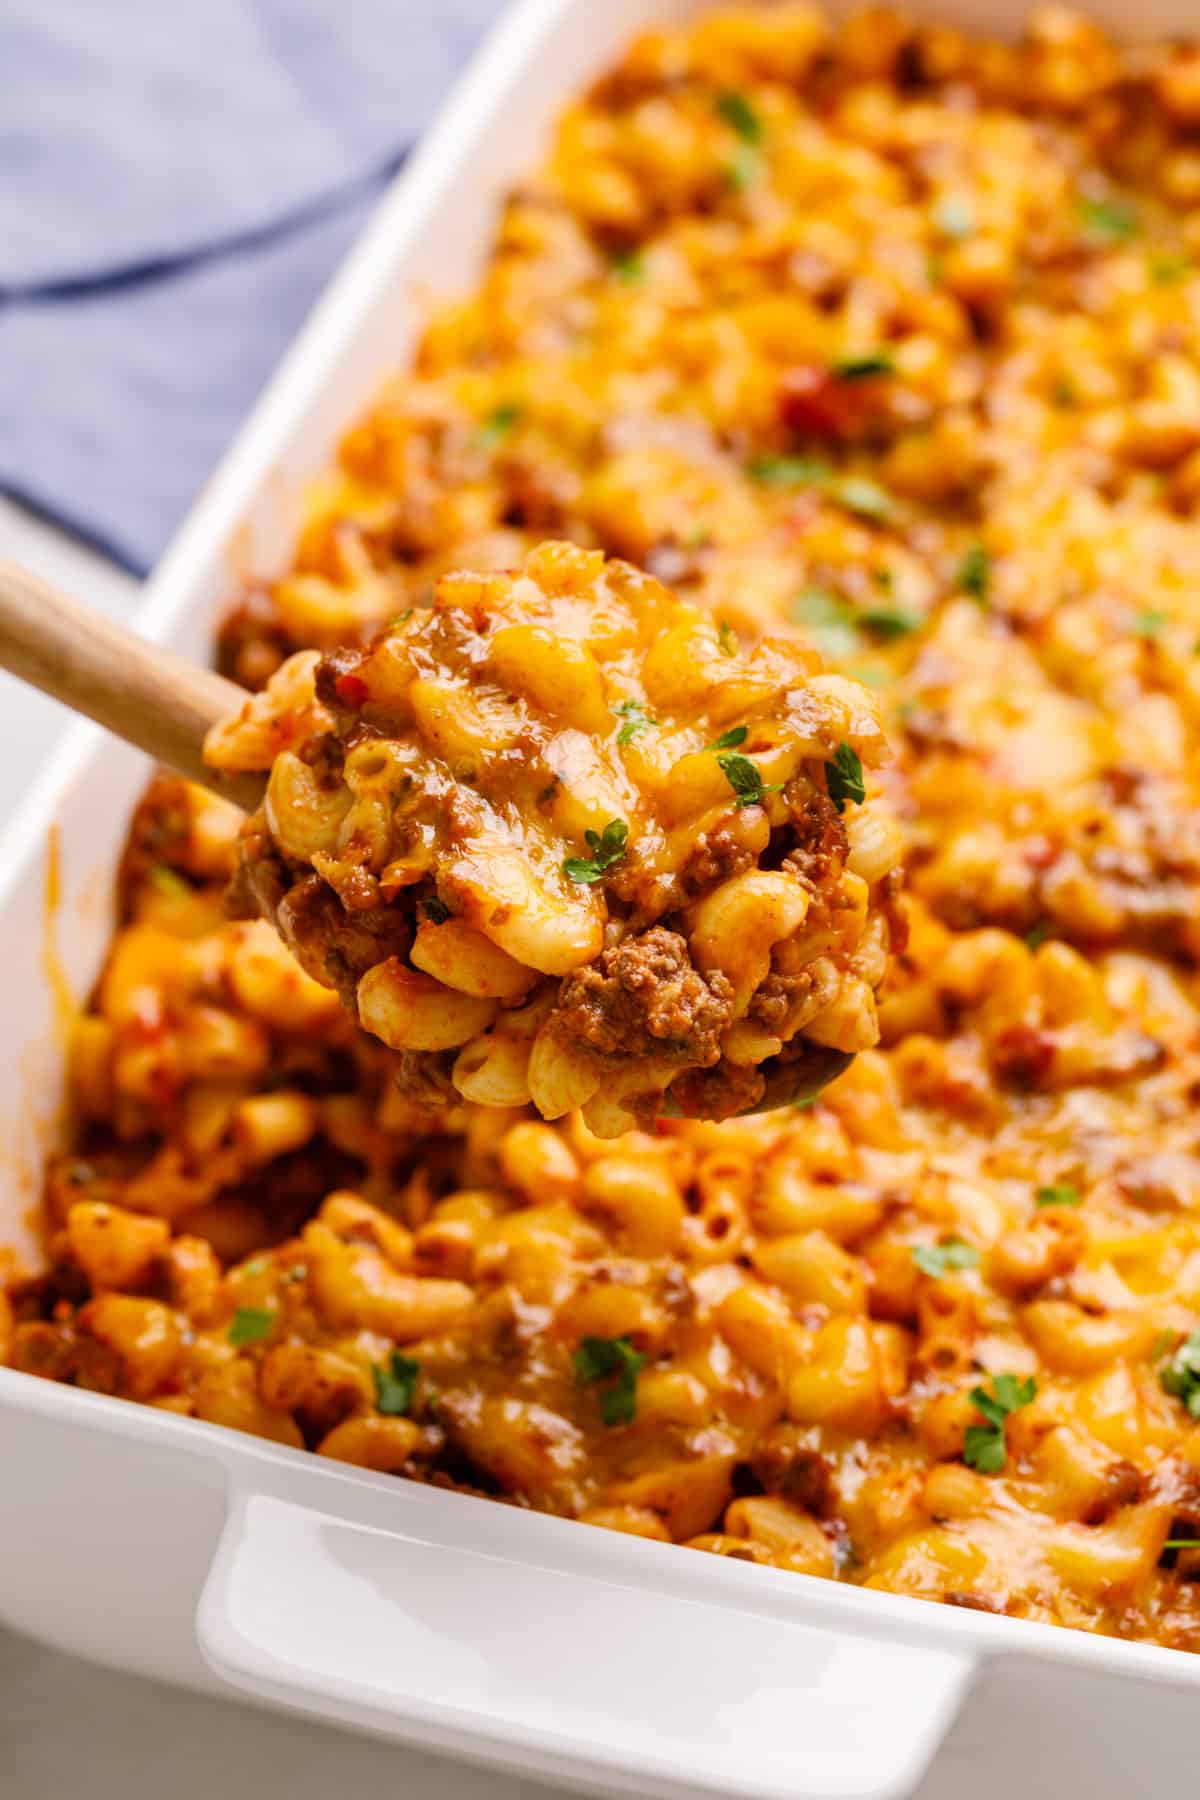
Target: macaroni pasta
x: 889, y: 337
x: 559, y: 840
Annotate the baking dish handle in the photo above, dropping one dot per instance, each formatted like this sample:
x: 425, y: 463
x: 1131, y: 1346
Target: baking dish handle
x: 571, y: 1654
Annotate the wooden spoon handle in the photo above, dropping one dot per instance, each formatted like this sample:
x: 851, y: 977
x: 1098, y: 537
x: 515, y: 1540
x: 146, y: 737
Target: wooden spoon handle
x: 152, y: 699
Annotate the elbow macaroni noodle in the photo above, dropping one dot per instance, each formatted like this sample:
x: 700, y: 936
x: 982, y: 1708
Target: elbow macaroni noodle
x: 559, y: 841
x: 885, y: 340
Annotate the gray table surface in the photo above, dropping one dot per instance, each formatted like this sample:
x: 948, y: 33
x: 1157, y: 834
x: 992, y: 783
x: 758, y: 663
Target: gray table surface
x: 69, y: 1727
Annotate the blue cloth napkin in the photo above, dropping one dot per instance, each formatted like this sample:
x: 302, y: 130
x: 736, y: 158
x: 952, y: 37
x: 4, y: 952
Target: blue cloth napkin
x: 176, y: 185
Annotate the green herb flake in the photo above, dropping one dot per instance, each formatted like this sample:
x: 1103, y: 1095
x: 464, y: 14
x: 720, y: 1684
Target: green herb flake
x: 1037, y: 934
x: 975, y: 574
x: 1180, y: 1374
x: 953, y: 217
x: 250, y: 1325
x: 888, y: 622
x: 729, y: 740
x: 863, y: 368
x: 615, y: 1361
x: 401, y: 618
x: 790, y: 471
x: 395, y: 1384
x: 743, y: 170
x: 1112, y: 221
x: 1059, y: 1193
x: 1167, y: 269
x: 745, y: 779
x: 435, y: 910
x: 740, y: 116
x: 985, y: 1447
x: 170, y: 884
x: 1148, y: 624
x: 497, y: 425
x: 629, y: 266
x: 727, y: 639
x: 937, y: 1259
x: 607, y: 847
x: 636, y: 718
x: 1182, y: 1544
x: 844, y: 777
x: 865, y: 499
x: 828, y: 621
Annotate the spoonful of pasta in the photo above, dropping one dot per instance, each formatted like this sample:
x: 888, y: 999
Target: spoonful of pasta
x: 555, y: 839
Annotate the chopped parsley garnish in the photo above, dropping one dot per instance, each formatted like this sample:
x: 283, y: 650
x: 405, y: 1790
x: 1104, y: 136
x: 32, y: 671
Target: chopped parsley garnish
x: 435, y: 910
x: 954, y: 218
x: 401, y: 618
x: 862, y: 368
x: 975, y: 573
x: 615, y: 1361
x: 937, y: 1259
x: 855, y: 492
x: 1180, y: 1374
x: 395, y: 1384
x: 607, y: 847
x: 889, y: 622
x: 727, y: 639
x: 1166, y: 269
x: 629, y: 266
x: 1037, y: 934
x: 790, y: 471
x: 738, y: 113
x: 167, y: 881
x: 497, y: 425
x: 828, y: 621
x: 844, y: 777
x: 729, y: 740
x: 862, y: 497
x: 636, y: 718
x: 250, y: 1325
x: 984, y: 1447
x: 1112, y: 221
x: 1148, y: 624
x: 745, y: 779
x: 1182, y: 1544
x: 744, y: 169
x: 1059, y: 1193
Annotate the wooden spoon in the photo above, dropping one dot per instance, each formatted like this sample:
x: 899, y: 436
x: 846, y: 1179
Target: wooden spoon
x: 137, y: 690
x: 163, y: 705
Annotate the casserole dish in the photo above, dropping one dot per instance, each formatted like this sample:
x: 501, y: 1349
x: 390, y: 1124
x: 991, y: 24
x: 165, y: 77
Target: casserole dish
x: 197, y: 1556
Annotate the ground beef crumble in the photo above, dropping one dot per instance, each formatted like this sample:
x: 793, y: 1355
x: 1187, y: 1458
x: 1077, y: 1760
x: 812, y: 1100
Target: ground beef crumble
x: 644, y: 996
x: 821, y: 853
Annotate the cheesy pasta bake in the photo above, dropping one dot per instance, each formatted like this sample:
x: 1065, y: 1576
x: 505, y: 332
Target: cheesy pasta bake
x: 557, y: 839
x: 881, y: 341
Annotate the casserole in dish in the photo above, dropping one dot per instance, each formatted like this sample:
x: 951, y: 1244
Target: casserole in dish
x: 411, y: 1663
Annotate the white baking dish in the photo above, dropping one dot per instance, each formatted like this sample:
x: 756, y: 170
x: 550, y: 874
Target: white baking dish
x: 218, y: 1561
